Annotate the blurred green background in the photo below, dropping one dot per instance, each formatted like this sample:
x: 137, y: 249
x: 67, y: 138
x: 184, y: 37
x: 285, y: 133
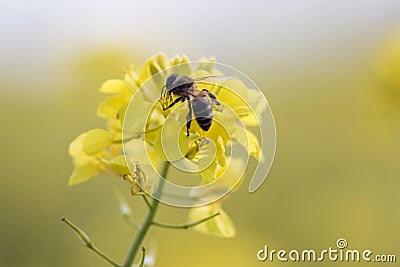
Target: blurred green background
x: 324, y: 67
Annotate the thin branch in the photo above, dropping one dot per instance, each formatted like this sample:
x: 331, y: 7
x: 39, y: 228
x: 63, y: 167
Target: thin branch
x: 88, y: 243
x: 147, y: 201
x: 102, y: 255
x: 120, y: 141
x: 129, y: 220
x: 185, y: 226
x: 141, y: 263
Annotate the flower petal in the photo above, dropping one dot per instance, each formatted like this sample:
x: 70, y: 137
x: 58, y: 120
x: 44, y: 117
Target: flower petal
x: 110, y: 107
x: 152, y: 67
x: 221, y: 151
x: 231, y: 173
x: 82, y: 174
x: 117, y: 164
x: 233, y: 86
x: 221, y: 225
x: 184, y: 67
x: 95, y: 141
x: 249, y: 141
x: 171, y: 149
x: 223, y: 124
x: 115, y: 86
x: 76, y: 152
x: 207, y: 65
x: 207, y: 161
x: 234, y: 100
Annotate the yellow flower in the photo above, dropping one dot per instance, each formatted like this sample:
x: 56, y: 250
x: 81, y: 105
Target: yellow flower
x: 158, y: 135
x: 86, y: 151
x: 150, y: 146
x: 387, y: 68
x: 99, y: 151
x: 114, y: 106
x: 227, y: 127
x: 388, y: 65
x: 221, y: 225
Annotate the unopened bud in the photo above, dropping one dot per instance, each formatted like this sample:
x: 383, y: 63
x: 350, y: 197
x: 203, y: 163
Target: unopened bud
x: 79, y: 232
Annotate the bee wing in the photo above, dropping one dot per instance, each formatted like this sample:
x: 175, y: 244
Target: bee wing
x: 213, y: 77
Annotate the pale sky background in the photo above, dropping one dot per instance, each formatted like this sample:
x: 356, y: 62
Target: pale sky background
x: 37, y: 36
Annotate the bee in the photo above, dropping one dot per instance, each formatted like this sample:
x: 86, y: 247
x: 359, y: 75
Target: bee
x: 200, y: 102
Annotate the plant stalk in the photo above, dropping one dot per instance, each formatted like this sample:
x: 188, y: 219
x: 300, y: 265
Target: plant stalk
x: 147, y: 221
x: 185, y: 226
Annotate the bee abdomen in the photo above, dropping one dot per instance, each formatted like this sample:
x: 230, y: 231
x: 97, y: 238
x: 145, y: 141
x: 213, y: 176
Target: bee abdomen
x: 203, y: 112
x: 204, y: 122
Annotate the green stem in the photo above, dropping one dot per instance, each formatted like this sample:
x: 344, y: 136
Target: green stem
x: 88, y: 243
x: 147, y: 201
x: 101, y: 254
x: 148, y: 219
x: 185, y: 226
x: 129, y: 220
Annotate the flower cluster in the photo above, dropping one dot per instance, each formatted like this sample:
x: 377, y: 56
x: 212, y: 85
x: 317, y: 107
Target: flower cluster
x: 387, y: 69
x: 100, y: 151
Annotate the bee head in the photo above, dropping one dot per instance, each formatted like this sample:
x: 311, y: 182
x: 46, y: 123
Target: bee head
x: 169, y: 84
x: 174, y: 80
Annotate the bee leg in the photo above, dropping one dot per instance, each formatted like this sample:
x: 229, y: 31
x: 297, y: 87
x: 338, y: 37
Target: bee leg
x: 179, y: 99
x: 188, y: 118
x: 212, y: 96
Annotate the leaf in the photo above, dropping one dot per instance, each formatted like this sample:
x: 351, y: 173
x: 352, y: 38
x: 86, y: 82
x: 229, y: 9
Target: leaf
x: 95, y: 141
x: 221, y: 225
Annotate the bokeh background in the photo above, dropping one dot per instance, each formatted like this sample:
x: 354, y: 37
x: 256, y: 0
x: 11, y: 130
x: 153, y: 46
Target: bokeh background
x: 330, y: 70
